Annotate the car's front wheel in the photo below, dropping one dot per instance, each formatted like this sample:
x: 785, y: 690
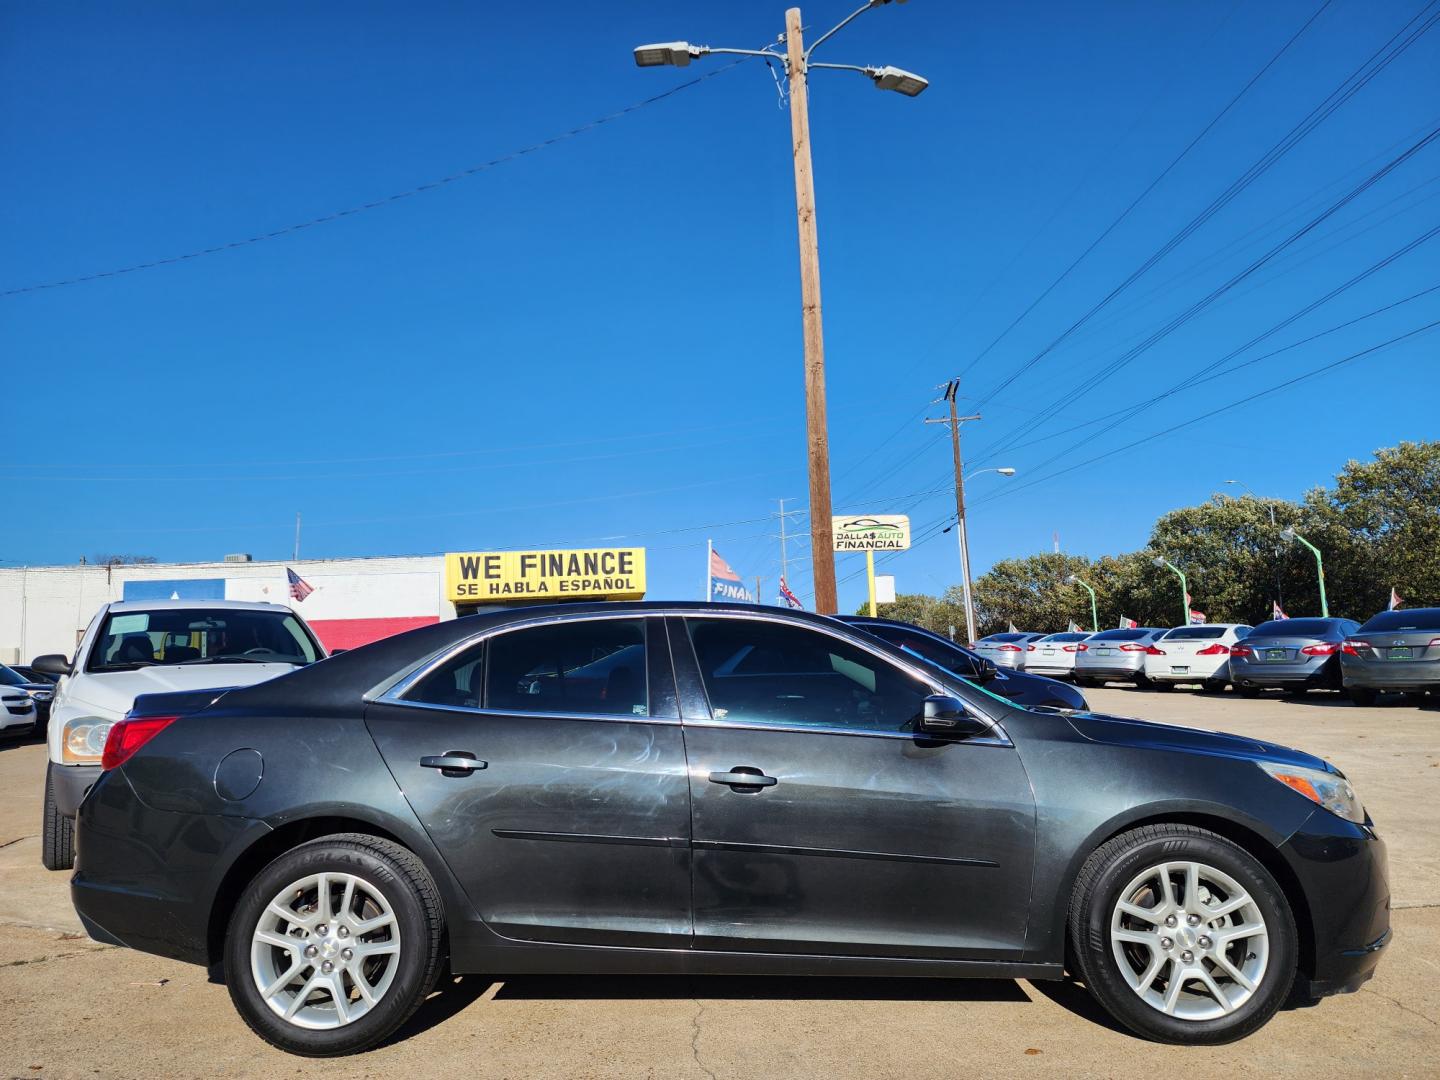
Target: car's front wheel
x: 334, y: 945
x: 1182, y: 935
x: 57, y: 833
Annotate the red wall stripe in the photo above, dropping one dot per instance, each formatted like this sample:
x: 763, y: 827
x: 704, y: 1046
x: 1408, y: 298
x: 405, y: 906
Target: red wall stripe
x: 352, y: 633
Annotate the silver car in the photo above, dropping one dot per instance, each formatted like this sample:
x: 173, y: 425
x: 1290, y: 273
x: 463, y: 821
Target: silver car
x: 1294, y: 655
x: 1054, y: 654
x: 1395, y: 650
x: 1115, y: 656
x: 1006, y: 650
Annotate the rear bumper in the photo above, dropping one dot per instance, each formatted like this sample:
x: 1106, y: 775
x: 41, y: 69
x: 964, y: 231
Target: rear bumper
x: 1244, y: 673
x: 69, y: 783
x: 128, y: 890
x: 1116, y: 672
x: 1391, y: 674
x: 1215, y: 675
x: 1343, y: 872
x: 1053, y: 670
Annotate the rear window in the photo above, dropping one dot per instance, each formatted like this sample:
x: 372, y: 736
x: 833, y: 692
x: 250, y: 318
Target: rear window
x: 1066, y: 637
x: 1397, y: 621
x: 1121, y: 635
x: 1297, y: 628
x: 1008, y: 637
x: 1195, y: 633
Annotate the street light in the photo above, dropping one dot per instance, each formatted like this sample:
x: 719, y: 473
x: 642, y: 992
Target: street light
x: 1290, y: 535
x: 964, y: 538
x: 797, y: 67
x: 1074, y: 579
x: 1160, y: 560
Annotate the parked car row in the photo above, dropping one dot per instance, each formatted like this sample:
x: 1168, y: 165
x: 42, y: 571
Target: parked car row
x: 1394, y: 651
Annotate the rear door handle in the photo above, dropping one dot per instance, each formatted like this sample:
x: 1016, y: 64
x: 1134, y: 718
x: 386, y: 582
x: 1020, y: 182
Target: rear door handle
x: 453, y: 763
x: 743, y: 777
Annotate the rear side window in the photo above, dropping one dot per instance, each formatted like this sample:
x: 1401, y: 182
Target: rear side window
x: 1121, y: 635
x: 1400, y: 621
x: 1195, y: 633
x: 457, y: 683
x: 761, y: 672
x: 590, y: 666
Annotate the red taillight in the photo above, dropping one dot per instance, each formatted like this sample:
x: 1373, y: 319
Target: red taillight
x: 1074, y: 648
x: 1433, y: 642
x: 1321, y: 648
x: 1029, y: 648
x: 1082, y: 648
x: 1242, y: 650
x: 126, y: 736
x: 1132, y: 647
x: 1214, y: 650
x: 1008, y: 648
x: 1151, y: 650
x: 1352, y: 648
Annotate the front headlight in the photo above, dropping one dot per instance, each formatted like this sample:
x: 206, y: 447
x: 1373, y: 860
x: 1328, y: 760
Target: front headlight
x: 1327, y: 789
x: 83, y: 740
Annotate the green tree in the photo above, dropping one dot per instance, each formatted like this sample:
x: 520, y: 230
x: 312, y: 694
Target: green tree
x: 934, y: 613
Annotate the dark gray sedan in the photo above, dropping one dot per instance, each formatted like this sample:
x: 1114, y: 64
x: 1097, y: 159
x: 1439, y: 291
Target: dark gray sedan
x: 1395, y: 650
x: 1294, y: 655
x: 658, y: 788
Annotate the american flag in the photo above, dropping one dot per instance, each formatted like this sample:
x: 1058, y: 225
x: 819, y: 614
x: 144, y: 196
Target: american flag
x: 1196, y: 617
x: 1276, y: 611
x: 791, y: 600
x: 299, y: 587
x: 1395, y: 599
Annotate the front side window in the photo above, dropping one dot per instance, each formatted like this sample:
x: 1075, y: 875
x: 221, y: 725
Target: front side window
x: 593, y: 666
x: 133, y: 639
x: 943, y: 655
x: 761, y: 672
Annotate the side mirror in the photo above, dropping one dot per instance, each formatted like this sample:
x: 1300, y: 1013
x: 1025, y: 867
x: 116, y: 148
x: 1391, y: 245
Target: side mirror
x: 945, y: 715
x: 51, y: 664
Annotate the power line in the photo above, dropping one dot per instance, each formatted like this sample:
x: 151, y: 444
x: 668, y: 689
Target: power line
x: 1347, y: 89
x: 375, y: 204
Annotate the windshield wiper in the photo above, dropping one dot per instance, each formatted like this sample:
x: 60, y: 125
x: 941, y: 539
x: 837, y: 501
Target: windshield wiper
x: 128, y: 665
x: 229, y: 660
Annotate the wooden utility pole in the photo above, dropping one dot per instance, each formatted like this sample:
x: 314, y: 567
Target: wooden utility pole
x: 952, y: 390
x: 816, y: 431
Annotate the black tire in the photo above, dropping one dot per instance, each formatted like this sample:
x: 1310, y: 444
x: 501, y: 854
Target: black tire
x: 1248, y: 691
x: 398, y: 875
x: 1213, y: 687
x: 1083, y: 682
x: 1143, y: 683
x: 1112, y: 867
x: 57, y: 833
x: 1163, y: 687
x: 1361, y: 695
x: 1415, y: 697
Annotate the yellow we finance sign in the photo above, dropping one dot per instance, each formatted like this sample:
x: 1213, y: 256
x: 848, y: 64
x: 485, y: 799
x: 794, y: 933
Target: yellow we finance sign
x: 481, y: 577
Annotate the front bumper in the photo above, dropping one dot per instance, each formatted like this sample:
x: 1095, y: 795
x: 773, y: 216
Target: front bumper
x: 69, y: 783
x: 1342, y: 870
x: 15, y: 723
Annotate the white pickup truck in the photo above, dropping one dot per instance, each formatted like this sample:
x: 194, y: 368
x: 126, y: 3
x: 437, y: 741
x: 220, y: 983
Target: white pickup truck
x: 148, y: 647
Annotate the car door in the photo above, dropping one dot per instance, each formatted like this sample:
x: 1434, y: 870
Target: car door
x: 547, y: 764
x: 820, y: 823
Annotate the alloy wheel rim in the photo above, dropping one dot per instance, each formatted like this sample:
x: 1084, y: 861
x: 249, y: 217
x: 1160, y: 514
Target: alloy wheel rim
x: 1189, y: 940
x: 325, y: 950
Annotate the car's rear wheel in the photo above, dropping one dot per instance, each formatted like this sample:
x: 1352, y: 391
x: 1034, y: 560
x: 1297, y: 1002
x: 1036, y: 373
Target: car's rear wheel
x: 1362, y: 695
x: 334, y: 945
x: 1182, y: 935
x: 57, y: 833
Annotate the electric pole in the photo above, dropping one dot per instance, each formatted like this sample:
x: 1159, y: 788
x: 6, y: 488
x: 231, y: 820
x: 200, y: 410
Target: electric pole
x: 798, y: 66
x: 952, y: 389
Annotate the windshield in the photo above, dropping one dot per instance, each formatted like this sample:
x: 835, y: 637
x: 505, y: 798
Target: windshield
x: 134, y: 639
x: 1299, y: 628
x: 11, y: 678
x: 1418, y: 619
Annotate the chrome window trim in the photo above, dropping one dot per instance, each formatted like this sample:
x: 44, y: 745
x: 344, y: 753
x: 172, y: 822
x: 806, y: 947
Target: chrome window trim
x: 394, y: 692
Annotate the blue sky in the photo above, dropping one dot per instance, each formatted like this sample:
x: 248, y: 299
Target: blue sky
x: 600, y: 341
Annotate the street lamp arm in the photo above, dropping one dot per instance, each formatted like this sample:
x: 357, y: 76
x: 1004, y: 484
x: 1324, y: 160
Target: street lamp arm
x: 840, y: 26
x: 845, y: 67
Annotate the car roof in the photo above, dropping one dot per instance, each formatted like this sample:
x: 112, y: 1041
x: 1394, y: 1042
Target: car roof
x: 192, y: 605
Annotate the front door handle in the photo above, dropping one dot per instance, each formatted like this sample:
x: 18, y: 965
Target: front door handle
x: 744, y: 778
x: 453, y: 763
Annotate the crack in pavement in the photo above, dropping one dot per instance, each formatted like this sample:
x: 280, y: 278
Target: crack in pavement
x: 17, y: 840
x: 56, y: 956
x: 695, y: 1038
x: 1402, y: 1008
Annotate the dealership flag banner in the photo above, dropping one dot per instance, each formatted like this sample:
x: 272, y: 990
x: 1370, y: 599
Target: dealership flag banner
x: 1073, y: 628
x: 1127, y: 623
x: 725, y: 583
x: 1395, y: 599
x: 1276, y: 611
x: 1196, y: 617
x: 299, y: 587
x: 788, y: 598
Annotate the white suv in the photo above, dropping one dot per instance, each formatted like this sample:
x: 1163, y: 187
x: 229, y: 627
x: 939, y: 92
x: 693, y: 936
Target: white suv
x: 155, y: 646
x: 1193, y: 654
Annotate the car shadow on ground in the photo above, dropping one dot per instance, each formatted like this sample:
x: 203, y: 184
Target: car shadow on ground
x: 13, y: 742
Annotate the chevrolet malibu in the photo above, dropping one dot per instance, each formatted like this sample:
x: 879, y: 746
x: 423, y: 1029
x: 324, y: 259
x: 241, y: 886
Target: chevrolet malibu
x: 746, y: 790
